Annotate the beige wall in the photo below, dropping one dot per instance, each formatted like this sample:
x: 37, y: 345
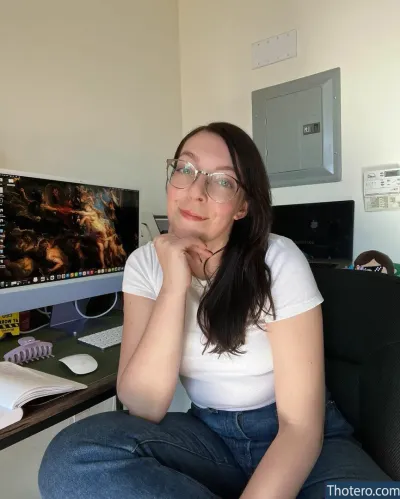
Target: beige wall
x: 90, y: 90
x: 362, y: 37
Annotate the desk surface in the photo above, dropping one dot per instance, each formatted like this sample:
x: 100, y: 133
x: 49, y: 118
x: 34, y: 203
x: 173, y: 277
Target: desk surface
x: 41, y: 413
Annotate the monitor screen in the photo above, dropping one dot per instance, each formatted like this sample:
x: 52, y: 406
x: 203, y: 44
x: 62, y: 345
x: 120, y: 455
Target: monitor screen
x: 323, y: 231
x: 53, y: 230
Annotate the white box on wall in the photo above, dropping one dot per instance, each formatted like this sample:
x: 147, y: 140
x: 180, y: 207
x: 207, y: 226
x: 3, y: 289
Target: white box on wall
x: 274, y: 49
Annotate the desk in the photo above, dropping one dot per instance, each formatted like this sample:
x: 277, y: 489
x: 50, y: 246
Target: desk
x: 41, y: 414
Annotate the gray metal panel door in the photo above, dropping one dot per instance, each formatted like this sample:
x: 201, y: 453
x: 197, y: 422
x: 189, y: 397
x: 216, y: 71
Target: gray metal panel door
x: 292, y: 150
x: 309, y: 112
x: 296, y: 126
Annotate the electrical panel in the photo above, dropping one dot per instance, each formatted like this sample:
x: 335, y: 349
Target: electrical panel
x: 296, y: 127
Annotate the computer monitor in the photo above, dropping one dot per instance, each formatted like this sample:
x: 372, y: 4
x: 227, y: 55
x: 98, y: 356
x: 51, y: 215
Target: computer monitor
x: 162, y: 223
x: 62, y: 241
x: 323, y: 231
x: 153, y: 225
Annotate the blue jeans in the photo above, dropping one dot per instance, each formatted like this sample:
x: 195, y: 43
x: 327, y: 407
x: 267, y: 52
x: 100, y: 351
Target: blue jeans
x: 201, y: 454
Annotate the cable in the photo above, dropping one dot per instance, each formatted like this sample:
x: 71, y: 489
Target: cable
x: 35, y: 329
x: 96, y: 316
x: 44, y: 311
x: 148, y: 230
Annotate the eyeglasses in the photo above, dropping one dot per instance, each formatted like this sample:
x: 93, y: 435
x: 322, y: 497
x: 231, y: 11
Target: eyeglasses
x: 221, y: 187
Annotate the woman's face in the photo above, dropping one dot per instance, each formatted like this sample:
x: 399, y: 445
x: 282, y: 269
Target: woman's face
x: 191, y: 212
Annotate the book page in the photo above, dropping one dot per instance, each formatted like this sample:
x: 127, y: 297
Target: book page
x: 19, y: 385
x: 9, y: 417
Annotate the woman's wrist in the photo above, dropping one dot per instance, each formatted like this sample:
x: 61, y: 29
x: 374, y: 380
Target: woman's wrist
x: 172, y: 290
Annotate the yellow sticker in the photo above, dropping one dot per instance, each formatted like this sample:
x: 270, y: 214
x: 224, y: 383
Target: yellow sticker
x: 9, y: 323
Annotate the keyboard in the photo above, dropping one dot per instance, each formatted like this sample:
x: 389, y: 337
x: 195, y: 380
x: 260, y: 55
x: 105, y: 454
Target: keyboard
x: 104, y: 339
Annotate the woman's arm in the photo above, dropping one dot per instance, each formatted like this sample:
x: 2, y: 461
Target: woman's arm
x: 151, y: 352
x: 152, y: 342
x: 298, y: 354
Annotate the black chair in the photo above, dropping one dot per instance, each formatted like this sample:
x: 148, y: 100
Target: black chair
x: 361, y: 314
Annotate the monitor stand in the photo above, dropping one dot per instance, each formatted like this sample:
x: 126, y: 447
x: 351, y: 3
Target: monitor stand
x: 65, y: 316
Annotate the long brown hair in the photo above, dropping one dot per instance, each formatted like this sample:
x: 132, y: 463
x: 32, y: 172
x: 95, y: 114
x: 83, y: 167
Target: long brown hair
x: 240, y: 291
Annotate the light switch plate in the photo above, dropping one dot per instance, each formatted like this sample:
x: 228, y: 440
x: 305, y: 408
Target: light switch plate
x: 274, y: 49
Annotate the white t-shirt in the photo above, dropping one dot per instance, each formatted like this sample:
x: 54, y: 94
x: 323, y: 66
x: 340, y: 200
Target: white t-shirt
x: 231, y: 382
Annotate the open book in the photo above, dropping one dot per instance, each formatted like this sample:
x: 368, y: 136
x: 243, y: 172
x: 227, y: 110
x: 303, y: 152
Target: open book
x: 19, y: 385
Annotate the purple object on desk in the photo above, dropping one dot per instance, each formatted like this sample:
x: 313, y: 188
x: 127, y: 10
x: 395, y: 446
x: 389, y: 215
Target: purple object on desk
x: 29, y: 350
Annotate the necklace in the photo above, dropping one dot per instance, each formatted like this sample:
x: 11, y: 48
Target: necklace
x: 206, y: 282
x: 201, y: 282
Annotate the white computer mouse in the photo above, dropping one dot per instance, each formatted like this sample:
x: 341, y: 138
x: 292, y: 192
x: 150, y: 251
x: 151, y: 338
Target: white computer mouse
x: 81, y: 363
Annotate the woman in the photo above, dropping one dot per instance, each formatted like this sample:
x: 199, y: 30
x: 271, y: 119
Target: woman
x: 235, y: 311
